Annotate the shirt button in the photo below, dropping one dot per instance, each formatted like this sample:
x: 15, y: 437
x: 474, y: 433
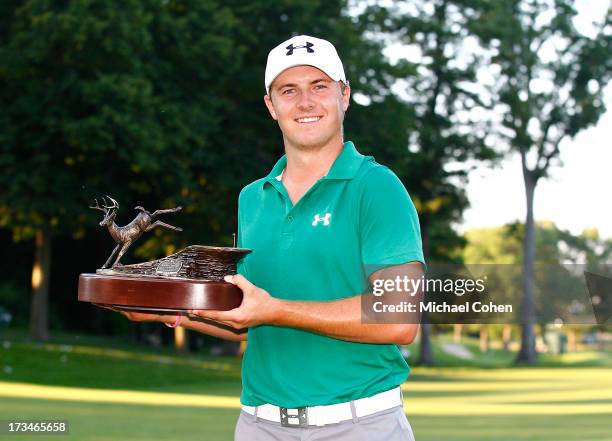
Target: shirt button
x: 290, y: 218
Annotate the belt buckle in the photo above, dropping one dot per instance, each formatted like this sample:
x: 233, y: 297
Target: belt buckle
x: 297, y: 417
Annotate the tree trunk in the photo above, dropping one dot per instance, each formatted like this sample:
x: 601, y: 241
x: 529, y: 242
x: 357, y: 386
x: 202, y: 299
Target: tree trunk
x: 506, y: 337
x: 243, y: 346
x: 180, y: 339
x: 425, y: 352
x: 527, y: 353
x: 39, y: 321
x: 231, y: 348
x: 457, y: 328
x: 136, y: 332
x: 484, y: 338
x: 572, y: 345
x: 426, y: 357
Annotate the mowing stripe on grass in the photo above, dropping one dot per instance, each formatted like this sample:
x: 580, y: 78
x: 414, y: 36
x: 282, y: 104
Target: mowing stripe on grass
x: 26, y: 390
x: 443, y: 405
x: 516, y: 393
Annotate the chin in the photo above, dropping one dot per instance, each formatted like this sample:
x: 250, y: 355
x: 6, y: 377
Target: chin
x: 310, y: 143
x: 310, y: 140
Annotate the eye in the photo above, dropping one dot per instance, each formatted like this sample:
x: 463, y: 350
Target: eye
x: 320, y: 86
x: 287, y: 91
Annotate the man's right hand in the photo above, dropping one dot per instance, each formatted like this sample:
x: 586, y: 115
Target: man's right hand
x: 137, y: 316
x: 189, y: 322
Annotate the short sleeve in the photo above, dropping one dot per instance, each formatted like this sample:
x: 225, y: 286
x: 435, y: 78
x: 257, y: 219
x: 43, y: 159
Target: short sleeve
x: 388, y: 222
x: 241, y: 267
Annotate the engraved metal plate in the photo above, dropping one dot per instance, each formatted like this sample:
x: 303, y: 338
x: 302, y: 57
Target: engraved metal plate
x: 169, y: 267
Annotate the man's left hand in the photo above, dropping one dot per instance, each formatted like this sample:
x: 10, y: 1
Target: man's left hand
x: 257, y: 307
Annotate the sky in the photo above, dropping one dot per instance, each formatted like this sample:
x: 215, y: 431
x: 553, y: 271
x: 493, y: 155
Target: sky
x: 575, y: 195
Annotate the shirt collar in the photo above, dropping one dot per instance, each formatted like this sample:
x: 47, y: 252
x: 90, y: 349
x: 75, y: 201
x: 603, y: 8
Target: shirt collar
x: 278, y: 168
x: 345, y: 166
x: 347, y: 163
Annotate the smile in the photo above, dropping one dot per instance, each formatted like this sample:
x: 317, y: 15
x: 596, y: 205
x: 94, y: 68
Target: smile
x: 308, y: 119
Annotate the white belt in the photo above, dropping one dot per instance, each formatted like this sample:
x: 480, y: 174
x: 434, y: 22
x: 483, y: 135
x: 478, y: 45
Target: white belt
x: 330, y: 414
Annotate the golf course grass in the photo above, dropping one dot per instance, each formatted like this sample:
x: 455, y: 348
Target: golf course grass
x: 109, y: 390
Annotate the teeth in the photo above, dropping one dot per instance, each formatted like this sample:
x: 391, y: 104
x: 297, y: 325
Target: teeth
x: 308, y: 119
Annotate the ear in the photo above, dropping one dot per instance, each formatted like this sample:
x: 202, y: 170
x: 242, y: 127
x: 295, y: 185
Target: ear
x: 270, y: 106
x: 346, y: 97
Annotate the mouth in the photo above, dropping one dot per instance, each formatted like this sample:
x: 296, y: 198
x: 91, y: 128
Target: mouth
x: 308, y: 119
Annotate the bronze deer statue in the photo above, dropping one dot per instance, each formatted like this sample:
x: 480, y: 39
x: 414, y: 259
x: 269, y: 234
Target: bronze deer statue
x: 124, y: 236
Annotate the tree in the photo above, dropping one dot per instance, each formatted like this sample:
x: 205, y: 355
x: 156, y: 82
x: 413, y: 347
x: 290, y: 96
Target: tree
x: 550, y: 82
x: 99, y: 98
x: 158, y: 103
x: 448, y: 135
x: 558, y: 283
x: 587, y: 248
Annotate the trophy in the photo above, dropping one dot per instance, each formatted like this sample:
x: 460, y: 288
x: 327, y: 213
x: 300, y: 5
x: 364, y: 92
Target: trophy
x: 189, y: 279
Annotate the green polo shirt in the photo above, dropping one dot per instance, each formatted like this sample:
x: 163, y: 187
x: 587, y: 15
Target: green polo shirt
x: 356, y: 217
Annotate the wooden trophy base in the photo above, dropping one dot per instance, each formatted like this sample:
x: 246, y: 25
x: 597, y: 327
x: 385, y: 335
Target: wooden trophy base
x: 158, y: 294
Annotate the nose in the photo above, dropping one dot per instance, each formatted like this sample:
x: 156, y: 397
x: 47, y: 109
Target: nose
x: 305, y: 102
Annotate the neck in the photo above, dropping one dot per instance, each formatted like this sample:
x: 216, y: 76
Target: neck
x: 304, y: 165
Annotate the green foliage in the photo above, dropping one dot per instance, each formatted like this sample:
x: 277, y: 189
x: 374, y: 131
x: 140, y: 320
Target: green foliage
x: 15, y: 300
x: 588, y: 247
x: 504, y: 245
x: 551, y: 77
x: 549, y: 85
x: 160, y: 103
x: 100, y: 99
x: 559, y: 281
x: 445, y: 133
x: 157, y: 103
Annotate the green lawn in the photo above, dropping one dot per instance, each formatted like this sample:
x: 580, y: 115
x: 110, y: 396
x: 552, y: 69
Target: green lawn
x: 112, y: 391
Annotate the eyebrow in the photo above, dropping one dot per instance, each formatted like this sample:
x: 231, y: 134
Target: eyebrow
x: 318, y: 80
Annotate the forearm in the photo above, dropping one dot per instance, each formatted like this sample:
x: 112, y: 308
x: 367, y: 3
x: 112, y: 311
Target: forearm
x: 199, y: 324
x: 211, y: 327
x: 340, y: 319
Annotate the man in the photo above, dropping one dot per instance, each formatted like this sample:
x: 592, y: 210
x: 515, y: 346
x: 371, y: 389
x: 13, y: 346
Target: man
x: 323, y: 223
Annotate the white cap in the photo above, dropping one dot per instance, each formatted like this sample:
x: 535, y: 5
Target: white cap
x: 304, y: 50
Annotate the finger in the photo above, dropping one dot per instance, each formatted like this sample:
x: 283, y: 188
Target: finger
x: 101, y: 305
x: 203, y: 313
x: 217, y: 322
x: 220, y: 316
x: 240, y: 281
x: 226, y: 324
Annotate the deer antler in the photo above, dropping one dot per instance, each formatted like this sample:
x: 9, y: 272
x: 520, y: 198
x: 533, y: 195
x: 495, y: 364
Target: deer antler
x: 105, y: 207
x: 115, y: 204
x: 97, y: 207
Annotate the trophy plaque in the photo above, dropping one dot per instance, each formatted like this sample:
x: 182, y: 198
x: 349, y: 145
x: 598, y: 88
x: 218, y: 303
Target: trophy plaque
x: 189, y: 279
